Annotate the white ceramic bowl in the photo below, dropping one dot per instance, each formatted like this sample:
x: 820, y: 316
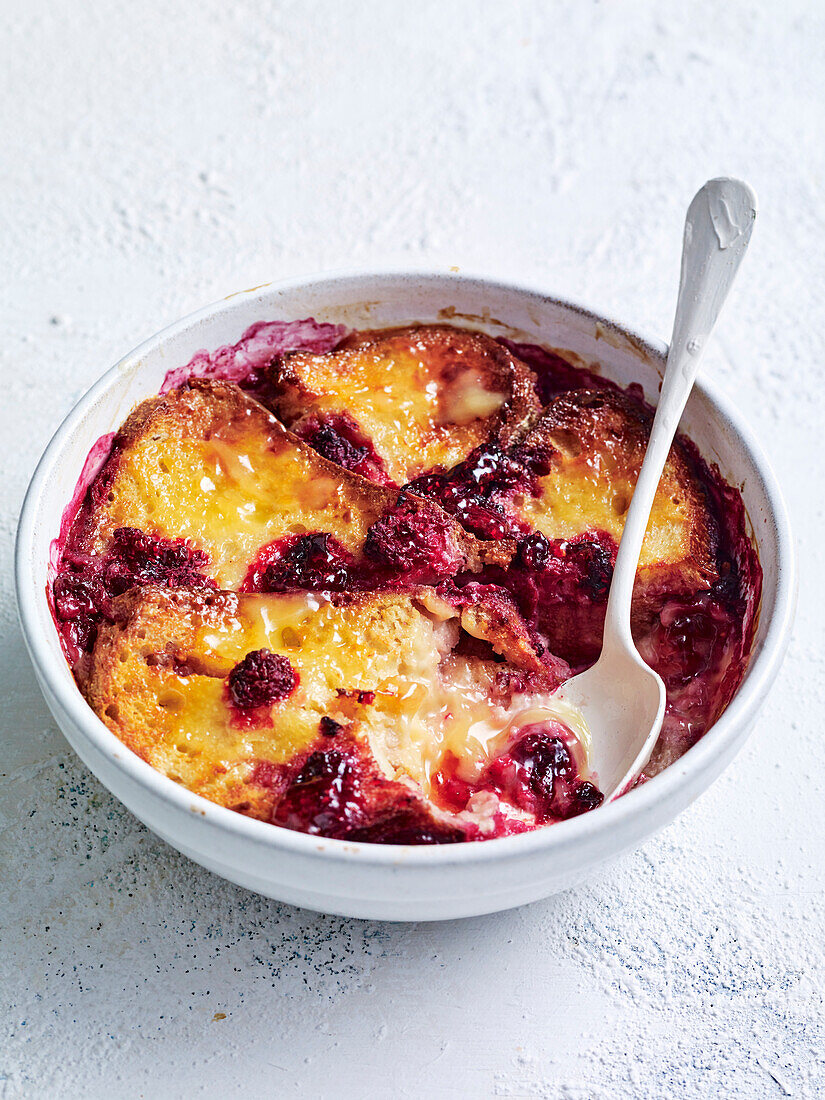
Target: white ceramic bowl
x: 370, y: 880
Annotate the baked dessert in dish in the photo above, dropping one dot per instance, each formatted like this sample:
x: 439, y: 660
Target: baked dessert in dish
x: 333, y: 580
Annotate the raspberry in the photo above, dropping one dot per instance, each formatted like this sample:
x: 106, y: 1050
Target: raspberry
x: 315, y: 562
x: 339, y: 792
x: 475, y: 489
x: 328, y: 441
x: 533, y: 551
x: 261, y: 678
x: 339, y: 438
x: 328, y: 727
x: 85, y: 586
x: 76, y: 595
x: 586, y: 797
x: 593, y: 561
x: 538, y: 774
x: 415, y: 538
x: 138, y: 558
x: 547, y: 776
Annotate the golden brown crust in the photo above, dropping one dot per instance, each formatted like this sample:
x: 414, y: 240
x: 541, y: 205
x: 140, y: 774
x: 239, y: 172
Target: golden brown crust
x: 598, y: 440
x: 210, y: 464
x: 424, y: 395
x: 158, y: 677
x: 205, y: 409
x: 134, y: 687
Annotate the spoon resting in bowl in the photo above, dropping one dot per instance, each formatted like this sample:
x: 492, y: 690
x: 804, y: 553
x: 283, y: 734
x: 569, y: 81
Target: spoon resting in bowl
x: 621, y: 698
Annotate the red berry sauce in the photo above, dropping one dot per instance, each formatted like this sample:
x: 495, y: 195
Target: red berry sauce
x: 555, y: 375
x: 477, y: 489
x: 561, y: 586
x: 537, y: 774
x: 247, y: 361
x: 338, y: 438
x: 336, y: 790
x: 85, y: 585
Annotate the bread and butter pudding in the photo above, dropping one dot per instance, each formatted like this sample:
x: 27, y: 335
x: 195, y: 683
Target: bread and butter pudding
x: 333, y: 580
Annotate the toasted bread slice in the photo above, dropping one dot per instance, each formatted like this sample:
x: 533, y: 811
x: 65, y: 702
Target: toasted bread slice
x: 416, y: 398
x: 596, y: 442
x: 572, y: 476
x: 379, y: 667
x: 208, y: 464
x: 563, y: 490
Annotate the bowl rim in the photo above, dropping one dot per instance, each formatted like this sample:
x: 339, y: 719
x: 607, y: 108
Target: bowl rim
x: 563, y: 836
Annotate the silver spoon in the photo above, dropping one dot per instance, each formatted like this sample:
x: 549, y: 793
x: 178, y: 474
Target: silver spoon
x: 623, y: 699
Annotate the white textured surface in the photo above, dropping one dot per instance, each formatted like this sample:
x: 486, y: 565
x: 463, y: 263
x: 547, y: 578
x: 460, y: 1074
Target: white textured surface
x: 158, y: 156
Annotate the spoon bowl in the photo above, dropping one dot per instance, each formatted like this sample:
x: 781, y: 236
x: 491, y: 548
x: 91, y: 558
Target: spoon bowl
x: 623, y: 703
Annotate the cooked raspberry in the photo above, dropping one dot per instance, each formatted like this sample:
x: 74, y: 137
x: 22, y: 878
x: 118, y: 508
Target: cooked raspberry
x: 483, y: 520
x: 260, y: 679
x: 78, y: 599
x: 317, y: 563
x: 138, y: 557
x: 537, y: 459
x: 338, y: 438
x: 533, y: 551
x: 338, y: 792
x: 328, y: 727
x: 593, y: 562
x: 587, y: 797
x: 475, y: 489
x: 539, y: 775
x: 76, y: 595
x: 327, y: 764
x: 325, y: 797
x: 415, y: 539
x: 543, y: 758
x: 463, y: 499
x: 85, y: 586
x: 330, y: 443
x: 429, y: 485
x: 492, y: 470
x: 450, y: 791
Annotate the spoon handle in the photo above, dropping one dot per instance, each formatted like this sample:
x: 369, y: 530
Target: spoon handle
x: 717, y: 231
